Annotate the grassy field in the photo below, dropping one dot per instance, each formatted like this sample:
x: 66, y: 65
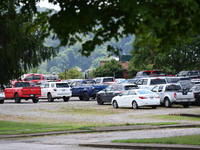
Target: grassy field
x: 189, y: 140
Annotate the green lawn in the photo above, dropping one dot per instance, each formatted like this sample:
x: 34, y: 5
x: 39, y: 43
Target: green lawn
x: 188, y: 140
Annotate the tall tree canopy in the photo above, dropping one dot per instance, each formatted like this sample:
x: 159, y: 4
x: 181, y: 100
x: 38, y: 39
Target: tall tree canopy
x: 22, y: 36
x: 22, y: 33
x: 182, y: 56
x: 172, y: 21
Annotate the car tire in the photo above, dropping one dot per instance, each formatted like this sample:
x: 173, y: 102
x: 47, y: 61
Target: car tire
x: 50, y: 98
x: 66, y: 99
x: 17, y: 98
x: 1, y: 101
x: 115, y: 105
x: 167, y: 103
x: 134, y: 105
x: 99, y: 100
x: 86, y: 96
x: 186, y: 105
x: 35, y: 100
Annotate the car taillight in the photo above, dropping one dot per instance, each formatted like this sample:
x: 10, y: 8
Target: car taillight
x: 175, y: 95
x: 157, y: 97
x: 92, y: 88
x: 55, y: 89
x: 142, y: 97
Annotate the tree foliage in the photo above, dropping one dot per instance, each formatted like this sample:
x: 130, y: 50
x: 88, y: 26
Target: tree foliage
x: 110, y: 68
x: 172, y: 21
x: 182, y: 56
x: 22, y: 34
x: 72, y: 73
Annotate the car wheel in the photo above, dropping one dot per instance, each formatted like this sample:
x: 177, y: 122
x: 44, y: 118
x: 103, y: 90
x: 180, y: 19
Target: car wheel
x: 115, y: 105
x: 49, y: 97
x: 168, y: 104
x: 135, y: 105
x: 35, y: 100
x: 17, y: 98
x: 66, y: 99
x: 86, y: 96
x: 186, y: 105
x: 1, y: 101
x: 153, y: 107
x: 99, y: 100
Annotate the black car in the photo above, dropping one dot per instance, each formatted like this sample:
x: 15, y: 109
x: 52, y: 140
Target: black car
x: 196, y: 90
x: 112, y: 90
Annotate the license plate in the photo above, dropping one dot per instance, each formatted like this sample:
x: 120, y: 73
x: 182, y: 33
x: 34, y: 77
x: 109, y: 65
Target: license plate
x: 31, y: 95
x: 63, y: 90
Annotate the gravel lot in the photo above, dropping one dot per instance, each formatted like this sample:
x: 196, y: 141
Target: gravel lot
x: 88, y: 112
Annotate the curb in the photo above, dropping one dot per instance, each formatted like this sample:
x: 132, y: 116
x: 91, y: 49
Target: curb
x: 141, y: 146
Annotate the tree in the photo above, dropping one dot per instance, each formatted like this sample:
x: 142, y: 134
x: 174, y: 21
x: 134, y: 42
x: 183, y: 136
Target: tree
x: 183, y: 56
x: 73, y: 73
x: 22, y: 33
x: 172, y: 21
x: 110, y: 68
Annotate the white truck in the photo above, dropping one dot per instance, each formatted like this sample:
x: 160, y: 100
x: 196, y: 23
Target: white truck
x: 173, y: 93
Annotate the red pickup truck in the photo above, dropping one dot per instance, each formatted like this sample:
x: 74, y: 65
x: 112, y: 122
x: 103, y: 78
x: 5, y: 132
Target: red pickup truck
x: 23, y: 90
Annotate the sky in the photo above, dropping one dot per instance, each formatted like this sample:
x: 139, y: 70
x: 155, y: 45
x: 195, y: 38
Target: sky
x: 45, y: 3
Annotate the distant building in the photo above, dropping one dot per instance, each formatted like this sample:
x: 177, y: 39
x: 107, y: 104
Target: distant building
x: 124, y: 61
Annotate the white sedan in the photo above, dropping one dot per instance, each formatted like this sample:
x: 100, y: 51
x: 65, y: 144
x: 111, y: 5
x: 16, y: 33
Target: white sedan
x: 136, y: 98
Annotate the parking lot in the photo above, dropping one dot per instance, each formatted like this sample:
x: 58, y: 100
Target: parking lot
x: 89, y: 112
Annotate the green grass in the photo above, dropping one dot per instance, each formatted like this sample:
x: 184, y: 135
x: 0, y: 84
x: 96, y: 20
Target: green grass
x: 189, y: 140
x: 11, y: 127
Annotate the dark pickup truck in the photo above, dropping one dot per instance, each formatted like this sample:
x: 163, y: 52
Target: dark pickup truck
x: 85, y: 89
x: 23, y: 90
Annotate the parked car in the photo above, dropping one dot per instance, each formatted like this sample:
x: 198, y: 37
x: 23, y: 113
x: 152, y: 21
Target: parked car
x: 2, y: 96
x: 136, y: 98
x: 190, y: 73
x: 185, y: 82
x: 173, y: 94
x: 39, y: 77
x: 86, y: 88
x: 108, y: 93
x: 150, y: 82
x: 151, y: 73
x: 55, y: 90
x: 23, y: 90
x: 196, y: 90
x: 100, y: 80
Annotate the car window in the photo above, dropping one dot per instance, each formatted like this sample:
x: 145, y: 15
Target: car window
x: 125, y: 93
x: 173, y: 88
x: 160, y: 88
x: 108, y: 79
x: 36, y: 77
x: 128, y: 87
x: 46, y: 85
x: 157, y: 81
x: 144, y: 92
x: 132, y: 93
x: 155, y: 89
x: 62, y: 85
x: 116, y: 87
